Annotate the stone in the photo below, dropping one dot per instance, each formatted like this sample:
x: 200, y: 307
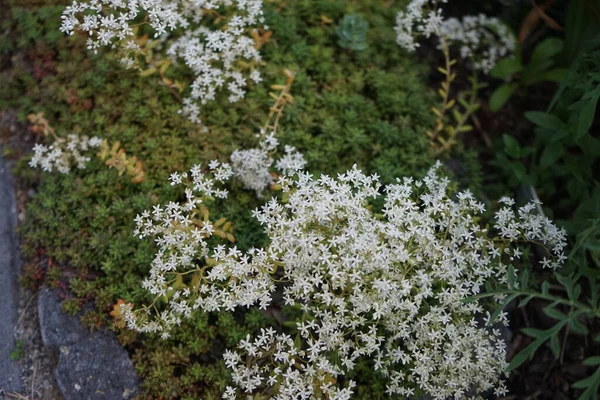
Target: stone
x: 91, y: 366
x: 57, y: 328
x: 10, y: 379
x: 96, y: 367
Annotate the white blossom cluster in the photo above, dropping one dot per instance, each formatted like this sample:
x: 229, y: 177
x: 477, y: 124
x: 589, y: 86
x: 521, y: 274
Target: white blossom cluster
x: 211, y: 53
x: 181, y: 235
x: 64, y: 153
x: 421, y: 18
x: 252, y: 166
x: 385, y: 285
x: 483, y: 39
x: 480, y: 38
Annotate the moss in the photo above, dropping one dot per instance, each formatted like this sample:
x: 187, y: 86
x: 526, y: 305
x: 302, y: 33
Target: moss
x: 368, y: 108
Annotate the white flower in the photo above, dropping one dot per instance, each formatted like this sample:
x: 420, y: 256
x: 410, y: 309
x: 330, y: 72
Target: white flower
x: 482, y: 39
x: 64, y: 153
x: 210, y: 51
x: 252, y: 166
x: 387, y: 284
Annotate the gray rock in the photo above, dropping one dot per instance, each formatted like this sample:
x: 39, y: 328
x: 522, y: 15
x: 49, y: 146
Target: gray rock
x: 57, y: 328
x: 91, y: 366
x: 10, y: 380
x: 96, y: 367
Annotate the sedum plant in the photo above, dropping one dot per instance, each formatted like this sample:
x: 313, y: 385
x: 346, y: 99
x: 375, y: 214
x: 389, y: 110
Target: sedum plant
x: 479, y: 39
x: 64, y: 152
x: 390, y: 285
x: 210, y: 37
x: 352, y: 32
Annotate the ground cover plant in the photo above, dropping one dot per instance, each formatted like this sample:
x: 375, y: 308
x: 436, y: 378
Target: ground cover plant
x: 160, y: 126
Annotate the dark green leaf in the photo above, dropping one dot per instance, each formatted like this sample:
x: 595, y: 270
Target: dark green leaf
x: 586, y: 115
x: 525, y: 301
x: 592, y: 361
x: 519, y: 170
x: 582, y: 384
x: 555, y: 345
x: 535, y: 333
x: 545, y: 120
x: 511, y: 146
x: 498, y: 310
x: 525, y: 354
x: 523, y: 279
x: 554, y: 75
x: 543, y: 53
x: 545, y: 287
x: 511, y: 276
x: 501, y: 95
x: 578, y: 327
x: 506, y: 68
x: 554, y: 313
x: 551, y: 154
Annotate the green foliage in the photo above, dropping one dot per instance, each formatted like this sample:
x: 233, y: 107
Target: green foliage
x: 575, y: 306
x: 17, y: 353
x: 581, y: 25
x: 352, y: 33
x: 566, y: 151
x: 350, y: 108
x: 561, y: 163
x: 540, y: 68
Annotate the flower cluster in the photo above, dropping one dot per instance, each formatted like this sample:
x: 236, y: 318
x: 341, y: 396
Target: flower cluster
x: 223, y: 279
x: 422, y: 17
x: 211, y: 53
x: 386, y: 285
x: 252, y: 166
x: 480, y: 38
x: 64, y: 153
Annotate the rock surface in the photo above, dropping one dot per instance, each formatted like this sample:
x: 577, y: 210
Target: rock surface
x: 57, y: 327
x: 10, y: 380
x: 91, y: 365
